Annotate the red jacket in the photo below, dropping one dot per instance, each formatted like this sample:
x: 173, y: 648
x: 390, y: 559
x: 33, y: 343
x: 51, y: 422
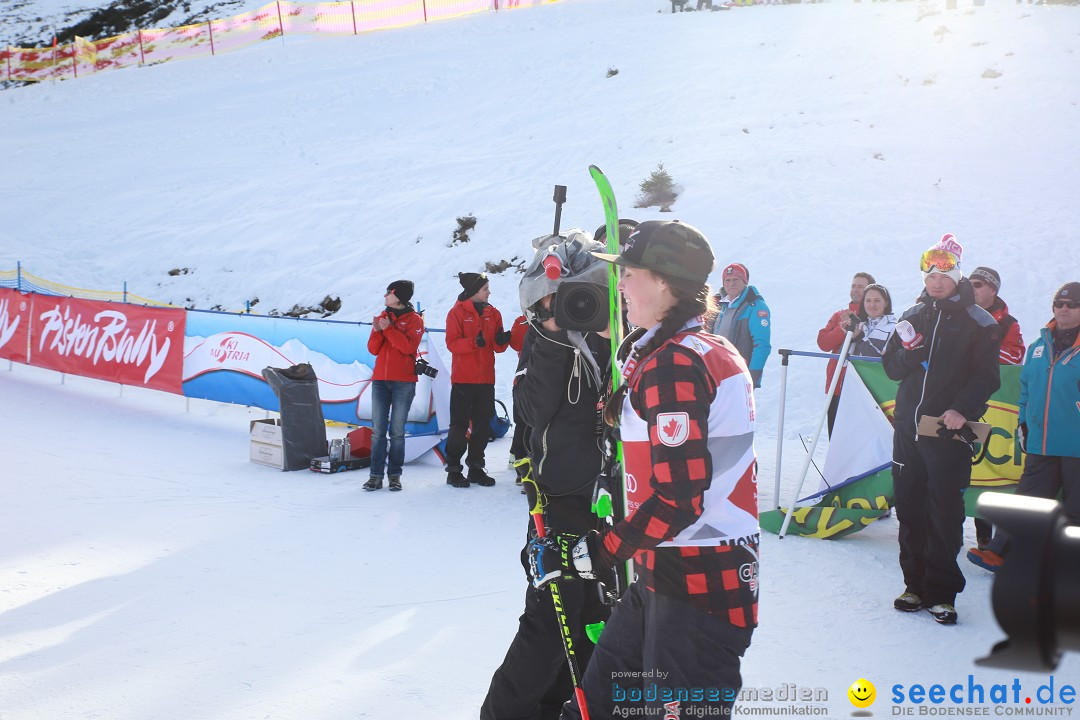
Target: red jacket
x: 1012, y: 344
x: 395, y: 347
x: 517, y: 333
x: 472, y: 365
x: 831, y: 338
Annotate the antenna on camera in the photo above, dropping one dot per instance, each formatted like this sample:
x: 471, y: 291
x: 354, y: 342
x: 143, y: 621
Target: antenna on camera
x: 559, y: 198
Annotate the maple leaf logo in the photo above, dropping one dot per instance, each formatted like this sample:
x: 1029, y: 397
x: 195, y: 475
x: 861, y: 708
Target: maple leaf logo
x: 672, y: 428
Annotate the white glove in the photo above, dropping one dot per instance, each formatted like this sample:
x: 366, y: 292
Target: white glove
x: 910, y: 339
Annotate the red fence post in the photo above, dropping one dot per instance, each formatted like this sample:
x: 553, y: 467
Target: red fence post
x: 425, y: 10
x: 142, y: 55
x: 8, y: 52
x: 210, y: 27
x: 352, y: 4
x: 75, y: 57
x: 280, y: 24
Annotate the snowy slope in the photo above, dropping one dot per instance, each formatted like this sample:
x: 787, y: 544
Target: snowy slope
x: 151, y: 572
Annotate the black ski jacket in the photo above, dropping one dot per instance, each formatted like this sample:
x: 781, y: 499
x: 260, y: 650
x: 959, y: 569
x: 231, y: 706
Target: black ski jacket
x: 558, y: 400
x: 956, y: 368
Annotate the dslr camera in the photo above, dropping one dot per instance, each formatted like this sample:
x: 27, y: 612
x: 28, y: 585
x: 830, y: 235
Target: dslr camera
x: 422, y: 367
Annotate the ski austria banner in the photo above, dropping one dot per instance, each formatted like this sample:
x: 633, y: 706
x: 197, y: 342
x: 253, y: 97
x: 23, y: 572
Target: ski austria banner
x: 857, y: 485
x: 14, y: 325
x: 224, y: 356
x: 118, y: 342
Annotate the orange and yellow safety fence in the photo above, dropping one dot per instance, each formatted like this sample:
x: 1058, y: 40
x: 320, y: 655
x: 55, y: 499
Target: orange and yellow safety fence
x: 26, y: 282
x: 146, y: 47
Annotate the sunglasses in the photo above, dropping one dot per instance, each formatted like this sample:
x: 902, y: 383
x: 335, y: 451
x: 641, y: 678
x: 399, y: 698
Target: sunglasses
x: 943, y: 260
x: 976, y: 284
x: 1058, y: 304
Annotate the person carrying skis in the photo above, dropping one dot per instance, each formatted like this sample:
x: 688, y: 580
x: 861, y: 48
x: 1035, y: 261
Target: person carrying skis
x: 743, y: 318
x: 685, y: 416
x: 944, y: 353
x: 395, y: 337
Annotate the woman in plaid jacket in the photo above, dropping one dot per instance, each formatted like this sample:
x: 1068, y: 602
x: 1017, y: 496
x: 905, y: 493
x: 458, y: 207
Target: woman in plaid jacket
x: 686, y: 419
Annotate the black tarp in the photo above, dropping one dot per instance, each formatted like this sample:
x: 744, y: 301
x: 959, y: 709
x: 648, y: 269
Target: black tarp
x: 303, y: 430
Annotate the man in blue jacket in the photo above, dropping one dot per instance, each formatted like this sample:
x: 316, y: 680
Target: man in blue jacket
x: 1048, y: 419
x: 744, y: 319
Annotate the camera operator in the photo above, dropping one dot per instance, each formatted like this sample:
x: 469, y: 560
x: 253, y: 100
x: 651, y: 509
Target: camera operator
x: 1049, y: 411
x: 559, y: 390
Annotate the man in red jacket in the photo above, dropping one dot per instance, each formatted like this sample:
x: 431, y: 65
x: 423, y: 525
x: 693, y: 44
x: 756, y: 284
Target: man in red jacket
x: 986, y: 283
x: 474, y: 333
x: 395, y: 336
x: 831, y: 337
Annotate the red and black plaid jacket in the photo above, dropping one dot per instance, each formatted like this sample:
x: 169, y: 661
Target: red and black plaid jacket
x: 719, y: 578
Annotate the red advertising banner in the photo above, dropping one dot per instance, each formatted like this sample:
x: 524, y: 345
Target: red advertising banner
x: 14, y: 325
x: 127, y: 344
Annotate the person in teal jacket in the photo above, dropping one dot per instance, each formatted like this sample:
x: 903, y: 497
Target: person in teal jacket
x: 744, y: 319
x: 1049, y: 418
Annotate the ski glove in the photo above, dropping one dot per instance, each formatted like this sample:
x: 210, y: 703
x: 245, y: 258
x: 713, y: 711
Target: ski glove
x: 756, y: 376
x: 562, y: 555
x: 480, y: 341
x: 502, y: 337
x: 1021, y: 436
x: 910, y: 338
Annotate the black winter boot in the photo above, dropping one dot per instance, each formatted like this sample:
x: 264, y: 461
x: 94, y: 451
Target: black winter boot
x: 481, y: 478
x: 456, y: 479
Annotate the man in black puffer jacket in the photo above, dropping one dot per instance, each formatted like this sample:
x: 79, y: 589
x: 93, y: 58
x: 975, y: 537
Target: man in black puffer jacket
x: 559, y: 391
x: 945, y: 355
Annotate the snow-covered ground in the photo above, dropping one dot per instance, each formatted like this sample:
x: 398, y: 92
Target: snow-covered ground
x: 150, y: 571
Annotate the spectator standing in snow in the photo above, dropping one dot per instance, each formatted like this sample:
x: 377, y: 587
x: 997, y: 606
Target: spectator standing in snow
x: 873, y: 332
x: 474, y: 333
x: 944, y: 353
x: 1048, y: 418
x: 831, y: 337
x: 987, y: 283
x: 744, y: 319
x: 686, y: 418
x: 395, y: 337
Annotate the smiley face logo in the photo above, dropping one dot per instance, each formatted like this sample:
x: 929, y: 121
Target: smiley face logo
x: 862, y: 693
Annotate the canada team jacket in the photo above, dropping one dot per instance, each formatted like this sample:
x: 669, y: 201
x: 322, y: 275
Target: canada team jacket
x: 1050, y: 397
x: 472, y: 365
x: 687, y: 429
x: 395, y: 347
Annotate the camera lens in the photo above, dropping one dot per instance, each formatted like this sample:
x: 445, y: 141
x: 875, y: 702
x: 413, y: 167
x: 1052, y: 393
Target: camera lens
x: 581, y: 306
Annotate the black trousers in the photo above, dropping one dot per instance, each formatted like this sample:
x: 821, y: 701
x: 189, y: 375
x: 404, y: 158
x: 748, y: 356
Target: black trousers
x: 1044, y: 477
x: 929, y: 478
x: 655, y: 644
x: 473, y: 404
x: 533, y: 681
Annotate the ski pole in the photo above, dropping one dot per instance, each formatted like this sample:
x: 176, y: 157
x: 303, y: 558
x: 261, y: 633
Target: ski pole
x: 536, y: 509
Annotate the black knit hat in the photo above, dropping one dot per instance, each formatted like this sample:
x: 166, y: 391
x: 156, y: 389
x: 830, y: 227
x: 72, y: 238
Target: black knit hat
x: 1068, y: 291
x: 471, y: 283
x: 402, y: 289
x: 668, y: 247
x: 987, y: 275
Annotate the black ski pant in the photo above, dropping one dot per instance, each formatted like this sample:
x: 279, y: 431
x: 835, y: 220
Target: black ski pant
x: 533, y: 681
x: 475, y: 404
x: 655, y: 647
x: 1045, y: 476
x: 929, y: 478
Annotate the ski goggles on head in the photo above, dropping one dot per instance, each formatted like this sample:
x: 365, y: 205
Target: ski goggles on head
x: 941, y: 260
x: 1071, y: 304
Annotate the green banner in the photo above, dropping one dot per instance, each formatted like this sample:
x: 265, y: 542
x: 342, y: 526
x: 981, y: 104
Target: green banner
x: 1003, y: 464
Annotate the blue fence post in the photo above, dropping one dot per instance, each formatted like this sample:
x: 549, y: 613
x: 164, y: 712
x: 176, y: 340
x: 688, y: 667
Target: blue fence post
x: 247, y: 307
x: 125, y: 291
x: 18, y: 276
